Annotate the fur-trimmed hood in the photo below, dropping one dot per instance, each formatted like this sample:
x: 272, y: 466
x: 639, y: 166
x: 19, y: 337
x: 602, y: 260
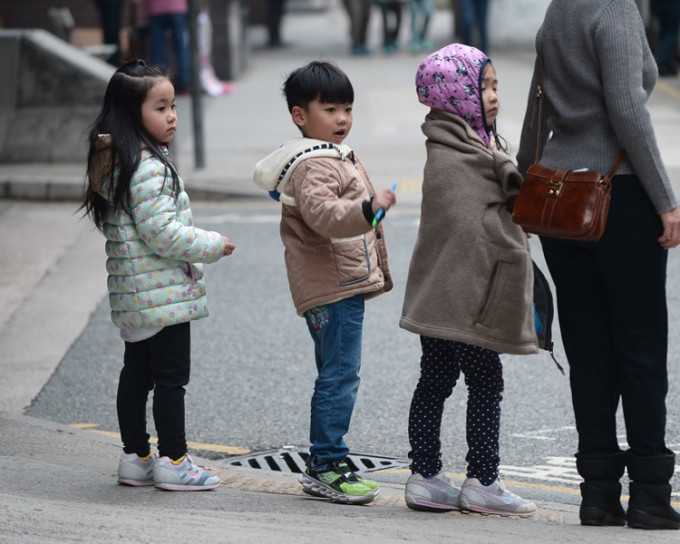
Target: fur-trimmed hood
x: 273, y: 172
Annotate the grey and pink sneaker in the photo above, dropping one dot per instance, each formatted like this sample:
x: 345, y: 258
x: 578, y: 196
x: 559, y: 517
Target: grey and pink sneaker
x: 135, y: 471
x: 436, y: 494
x: 185, y: 476
x: 493, y: 499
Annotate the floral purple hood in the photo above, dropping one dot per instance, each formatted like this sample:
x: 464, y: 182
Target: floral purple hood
x: 450, y: 80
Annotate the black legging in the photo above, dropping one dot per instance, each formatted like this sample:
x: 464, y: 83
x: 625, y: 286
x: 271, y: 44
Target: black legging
x: 612, y: 310
x: 440, y: 367
x: 161, y: 363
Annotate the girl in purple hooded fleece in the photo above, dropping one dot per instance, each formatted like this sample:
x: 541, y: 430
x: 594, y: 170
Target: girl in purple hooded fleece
x: 469, y: 291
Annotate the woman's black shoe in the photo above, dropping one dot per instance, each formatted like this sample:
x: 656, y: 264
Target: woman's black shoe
x: 597, y: 517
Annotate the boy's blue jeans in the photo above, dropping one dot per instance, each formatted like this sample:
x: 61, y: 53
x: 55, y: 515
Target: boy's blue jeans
x: 336, y: 329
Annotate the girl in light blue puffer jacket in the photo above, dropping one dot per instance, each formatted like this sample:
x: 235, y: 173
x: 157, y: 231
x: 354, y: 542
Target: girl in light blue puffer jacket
x: 137, y: 199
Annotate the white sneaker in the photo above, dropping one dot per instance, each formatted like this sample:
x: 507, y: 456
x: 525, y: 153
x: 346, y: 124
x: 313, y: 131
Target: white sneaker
x: 493, y: 499
x: 133, y: 471
x: 183, y: 477
x: 434, y: 494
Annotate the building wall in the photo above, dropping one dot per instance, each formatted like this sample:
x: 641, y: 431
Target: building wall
x: 51, y: 92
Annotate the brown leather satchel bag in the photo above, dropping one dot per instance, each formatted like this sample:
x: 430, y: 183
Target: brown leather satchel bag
x: 563, y: 203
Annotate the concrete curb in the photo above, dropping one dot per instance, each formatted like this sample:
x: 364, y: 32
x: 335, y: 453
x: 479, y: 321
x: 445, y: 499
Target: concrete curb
x: 47, y: 434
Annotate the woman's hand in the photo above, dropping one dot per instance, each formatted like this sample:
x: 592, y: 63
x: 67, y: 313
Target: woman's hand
x: 671, y: 229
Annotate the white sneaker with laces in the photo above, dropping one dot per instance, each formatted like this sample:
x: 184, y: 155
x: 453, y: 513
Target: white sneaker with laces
x: 493, y: 499
x: 435, y: 494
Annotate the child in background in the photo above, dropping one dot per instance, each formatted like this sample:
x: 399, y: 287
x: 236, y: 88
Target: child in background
x: 136, y: 198
x: 470, y: 285
x: 335, y: 260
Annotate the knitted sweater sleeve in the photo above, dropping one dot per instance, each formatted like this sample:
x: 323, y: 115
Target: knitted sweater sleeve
x: 621, y: 52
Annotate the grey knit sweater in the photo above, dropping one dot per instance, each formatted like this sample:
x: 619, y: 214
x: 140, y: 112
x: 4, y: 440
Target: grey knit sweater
x: 598, y: 74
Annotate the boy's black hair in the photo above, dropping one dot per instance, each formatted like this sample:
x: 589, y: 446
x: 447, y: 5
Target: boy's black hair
x: 317, y: 79
x: 121, y: 119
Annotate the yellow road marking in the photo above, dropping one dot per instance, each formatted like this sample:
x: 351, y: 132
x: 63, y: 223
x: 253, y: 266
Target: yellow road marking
x: 409, y: 185
x: 668, y: 89
x: 218, y: 448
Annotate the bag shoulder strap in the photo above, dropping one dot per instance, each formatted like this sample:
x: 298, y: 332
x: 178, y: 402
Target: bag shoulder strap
x: 621, y: 157
x: 539, y: 106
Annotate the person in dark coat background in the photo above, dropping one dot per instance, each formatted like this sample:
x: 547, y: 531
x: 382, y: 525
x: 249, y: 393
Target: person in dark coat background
x: 667, y: 13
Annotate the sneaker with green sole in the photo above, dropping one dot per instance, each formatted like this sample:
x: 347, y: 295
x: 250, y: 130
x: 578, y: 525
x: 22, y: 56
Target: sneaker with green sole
x: 338, y: 483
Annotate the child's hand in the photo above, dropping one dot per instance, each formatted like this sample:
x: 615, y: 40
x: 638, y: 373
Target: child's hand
x: 383, y: 199
x: 227, y: 246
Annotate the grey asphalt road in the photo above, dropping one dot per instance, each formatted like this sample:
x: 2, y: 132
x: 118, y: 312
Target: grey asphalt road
x: 253, y: 367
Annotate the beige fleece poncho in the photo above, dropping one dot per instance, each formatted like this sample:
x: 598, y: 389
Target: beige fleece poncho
x: 470, y: 277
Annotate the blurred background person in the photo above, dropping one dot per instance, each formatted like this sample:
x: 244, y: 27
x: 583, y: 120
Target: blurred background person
x: 473, y: 14
x: 667, y: 14
x: 170, y: 15
x: 275, y: 11
x: 391, y: 11
x: 210, y: 83
x: 110, y: 12
x: 359, y: 12
x: 421, y: 14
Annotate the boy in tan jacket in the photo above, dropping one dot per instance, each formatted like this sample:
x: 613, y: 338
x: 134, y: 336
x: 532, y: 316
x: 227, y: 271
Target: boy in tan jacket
x: 335, y: 259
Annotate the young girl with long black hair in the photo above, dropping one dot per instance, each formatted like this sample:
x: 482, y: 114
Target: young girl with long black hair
x: 137, y: 199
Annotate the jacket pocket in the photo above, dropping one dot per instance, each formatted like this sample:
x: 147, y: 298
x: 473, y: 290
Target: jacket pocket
x: 352, y: 259
x: 495, y: 297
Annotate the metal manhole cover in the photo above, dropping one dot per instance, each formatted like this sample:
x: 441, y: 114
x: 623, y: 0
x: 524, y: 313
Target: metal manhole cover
x: 292, y: 460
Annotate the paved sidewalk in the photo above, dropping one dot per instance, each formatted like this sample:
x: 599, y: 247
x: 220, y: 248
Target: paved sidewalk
x: 59, y: 486
x: 59, y: 482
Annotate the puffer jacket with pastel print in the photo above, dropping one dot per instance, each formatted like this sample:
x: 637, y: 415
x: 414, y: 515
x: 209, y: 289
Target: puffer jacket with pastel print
x: 154, y: 251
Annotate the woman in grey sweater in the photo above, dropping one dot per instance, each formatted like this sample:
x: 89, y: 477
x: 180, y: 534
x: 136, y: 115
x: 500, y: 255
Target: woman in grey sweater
x: 598, y: 71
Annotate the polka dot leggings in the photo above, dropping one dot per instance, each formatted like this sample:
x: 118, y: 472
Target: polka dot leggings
x: 440, y: 367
